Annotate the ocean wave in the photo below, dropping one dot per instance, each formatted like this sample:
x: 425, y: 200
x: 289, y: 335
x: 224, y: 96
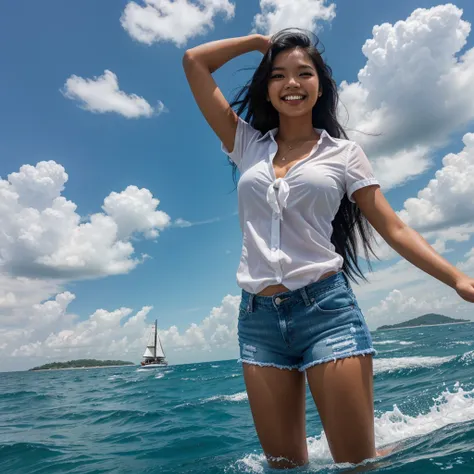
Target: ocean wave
x: 11, y: 455
x: 450, y: 409
x: 396, y: 349
x: 467, y: 358
x: 394, y: 426
x: 399, y: 363
x: 18, y: 394
x: 403, y: 343
x: 121, y: 417
x: 236, y: 397
x: 215, y: 377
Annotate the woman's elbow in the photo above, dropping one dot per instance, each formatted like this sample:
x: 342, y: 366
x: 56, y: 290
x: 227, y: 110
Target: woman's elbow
x: 188, y: 58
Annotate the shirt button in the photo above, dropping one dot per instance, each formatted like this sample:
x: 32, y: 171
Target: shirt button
x: 277, y: 300
x: 278, y: 279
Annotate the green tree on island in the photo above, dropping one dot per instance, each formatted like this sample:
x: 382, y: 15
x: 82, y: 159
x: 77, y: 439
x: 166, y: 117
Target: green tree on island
x: 80, y: 363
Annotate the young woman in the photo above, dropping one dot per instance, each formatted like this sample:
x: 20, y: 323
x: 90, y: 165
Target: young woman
x: 303, y: 192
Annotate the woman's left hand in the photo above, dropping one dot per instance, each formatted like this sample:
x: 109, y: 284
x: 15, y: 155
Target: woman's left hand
x: 465, y: 289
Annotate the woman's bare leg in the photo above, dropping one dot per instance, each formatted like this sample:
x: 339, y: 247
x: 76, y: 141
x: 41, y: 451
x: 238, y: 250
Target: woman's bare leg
x: 277, y: 400
x: 343, y: 393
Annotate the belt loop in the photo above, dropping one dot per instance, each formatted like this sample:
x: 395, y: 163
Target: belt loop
x: 250, y: 303
x: 305, y: 296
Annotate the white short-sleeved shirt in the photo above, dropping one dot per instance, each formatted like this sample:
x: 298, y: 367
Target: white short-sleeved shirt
x: 287, y: 222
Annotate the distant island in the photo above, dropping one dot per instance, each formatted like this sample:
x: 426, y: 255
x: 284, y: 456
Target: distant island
x: 430, y: 319
x: 82, y: 364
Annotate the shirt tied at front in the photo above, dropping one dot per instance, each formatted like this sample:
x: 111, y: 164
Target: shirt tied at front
x: 277, y: 196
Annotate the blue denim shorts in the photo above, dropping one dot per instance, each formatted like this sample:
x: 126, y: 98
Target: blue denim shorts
x: 318, y: 323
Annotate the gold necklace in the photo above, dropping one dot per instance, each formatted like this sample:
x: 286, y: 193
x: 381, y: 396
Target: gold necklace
x: 291, y: 147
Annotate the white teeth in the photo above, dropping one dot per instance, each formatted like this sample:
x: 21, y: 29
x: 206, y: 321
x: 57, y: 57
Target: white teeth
x: 293, y: 97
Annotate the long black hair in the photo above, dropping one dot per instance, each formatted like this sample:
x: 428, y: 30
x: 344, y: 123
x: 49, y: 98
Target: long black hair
x: 260, y: 113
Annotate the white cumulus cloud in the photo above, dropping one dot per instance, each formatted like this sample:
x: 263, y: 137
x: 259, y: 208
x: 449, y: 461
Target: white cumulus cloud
x: 152, y: 21
x: 416, y: 88
x: 102, y: 94
x: 104, y: 334
x: 443, y: 210
x: 448, y: 199
x: 43, y: 236
x: 398, y: 303
x: 278, y: 14
x: 218, y: 330
x: 134, y: 210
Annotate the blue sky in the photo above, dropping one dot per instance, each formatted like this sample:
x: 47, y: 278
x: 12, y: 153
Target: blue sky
x: 176, y: 156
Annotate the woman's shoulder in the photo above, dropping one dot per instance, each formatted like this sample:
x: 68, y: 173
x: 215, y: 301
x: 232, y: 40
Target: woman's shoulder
x: 342, y: 143
x: 348, y: 145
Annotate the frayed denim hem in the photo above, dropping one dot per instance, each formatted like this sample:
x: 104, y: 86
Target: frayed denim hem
x: 338, y: 357
x: 268, y: 364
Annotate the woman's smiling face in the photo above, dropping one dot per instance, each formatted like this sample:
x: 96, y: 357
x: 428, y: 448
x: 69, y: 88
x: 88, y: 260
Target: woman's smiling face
x: 293, y: 86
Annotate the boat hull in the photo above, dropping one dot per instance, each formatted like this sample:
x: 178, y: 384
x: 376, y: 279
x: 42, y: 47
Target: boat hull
x: 153, y: 366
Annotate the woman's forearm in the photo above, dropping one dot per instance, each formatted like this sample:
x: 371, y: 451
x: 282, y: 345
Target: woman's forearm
x: 216, y: 53
x: 414, y: 248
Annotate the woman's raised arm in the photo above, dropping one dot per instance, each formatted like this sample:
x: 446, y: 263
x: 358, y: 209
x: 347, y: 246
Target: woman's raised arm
x: 200, y: 62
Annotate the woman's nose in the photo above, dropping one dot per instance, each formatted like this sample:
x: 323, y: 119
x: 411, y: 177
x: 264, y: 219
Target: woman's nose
x: 292, y: 81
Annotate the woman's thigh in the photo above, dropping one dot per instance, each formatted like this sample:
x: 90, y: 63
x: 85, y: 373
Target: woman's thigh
x: 277, y: 401
x: 343, y: 394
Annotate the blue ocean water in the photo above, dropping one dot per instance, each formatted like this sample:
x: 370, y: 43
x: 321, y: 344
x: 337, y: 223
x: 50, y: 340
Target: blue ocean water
x: 196, y: 418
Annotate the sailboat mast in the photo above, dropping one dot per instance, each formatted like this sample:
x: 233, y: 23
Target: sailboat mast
x: 154, y: 346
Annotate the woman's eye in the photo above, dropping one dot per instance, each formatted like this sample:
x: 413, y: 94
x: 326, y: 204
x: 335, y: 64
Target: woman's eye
x: 278, y: 76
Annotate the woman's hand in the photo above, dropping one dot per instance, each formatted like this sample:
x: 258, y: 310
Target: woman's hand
x: 266, y: 42
x: 465, y: 289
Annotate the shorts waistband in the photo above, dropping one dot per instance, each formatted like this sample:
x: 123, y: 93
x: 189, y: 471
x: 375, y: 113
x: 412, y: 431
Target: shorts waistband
x: 249, y: 300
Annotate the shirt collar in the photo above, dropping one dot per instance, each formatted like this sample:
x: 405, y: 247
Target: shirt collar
x: 322, y: 132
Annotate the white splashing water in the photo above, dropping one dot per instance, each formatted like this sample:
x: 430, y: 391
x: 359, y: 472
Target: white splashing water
x: 398, y: 363
x: 403, y: 343
x: 449, y: 407
x: 391, y: 427
x: 394, y: 426
x: 236, y: 397
x: 467, y: 358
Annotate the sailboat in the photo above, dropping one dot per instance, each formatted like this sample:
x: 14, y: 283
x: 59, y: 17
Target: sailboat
x: 154, y: 356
